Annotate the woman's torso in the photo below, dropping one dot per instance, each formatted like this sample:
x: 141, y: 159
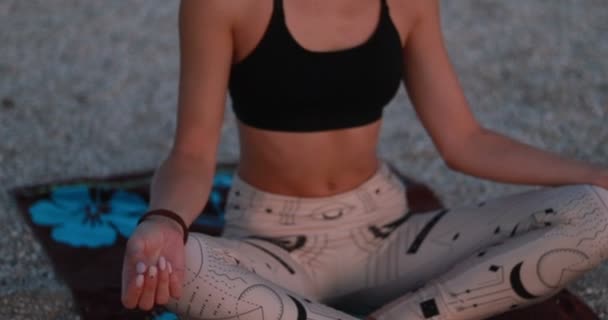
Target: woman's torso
x: 317, y: 163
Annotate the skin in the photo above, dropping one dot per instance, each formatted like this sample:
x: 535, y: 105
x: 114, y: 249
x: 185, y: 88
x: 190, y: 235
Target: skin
x: 214, y: 34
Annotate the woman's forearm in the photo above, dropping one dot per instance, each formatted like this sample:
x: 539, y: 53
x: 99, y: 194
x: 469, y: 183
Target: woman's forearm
x: 490, y: 155
x: 182, y: 184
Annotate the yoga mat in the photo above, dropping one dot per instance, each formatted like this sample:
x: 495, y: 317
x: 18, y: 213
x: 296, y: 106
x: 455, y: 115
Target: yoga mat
x: 83, y: 225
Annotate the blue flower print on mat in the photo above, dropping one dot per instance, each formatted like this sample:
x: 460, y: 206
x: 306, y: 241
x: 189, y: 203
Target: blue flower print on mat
x: 83, y: 217
x: 221, y: 183
x: 166, y: 316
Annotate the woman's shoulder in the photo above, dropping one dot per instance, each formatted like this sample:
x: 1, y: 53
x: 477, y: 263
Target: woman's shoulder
x: 405, y: 14
x: 215, y: 10
x: 411, y: 9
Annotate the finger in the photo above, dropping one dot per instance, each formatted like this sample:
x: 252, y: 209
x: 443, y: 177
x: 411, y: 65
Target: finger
x: 133, y: 292
x: 175, y: 282
x: 140, y: 268
x: 146, y: 302
x: 132, y: 286
x: 162, y: 289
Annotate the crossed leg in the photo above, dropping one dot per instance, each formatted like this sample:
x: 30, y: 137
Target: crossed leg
x: 227, y: 279
x: 504, y: 254
x: 467, y: 263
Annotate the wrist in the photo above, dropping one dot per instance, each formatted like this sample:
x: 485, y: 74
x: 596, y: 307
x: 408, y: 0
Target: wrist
x: 169, y: 217
x: 596, y: 175
x: 601, y: 178
x: 164, y: 220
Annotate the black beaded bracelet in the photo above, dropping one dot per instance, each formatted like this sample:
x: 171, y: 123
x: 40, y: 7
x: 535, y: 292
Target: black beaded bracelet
x: 169, y: 214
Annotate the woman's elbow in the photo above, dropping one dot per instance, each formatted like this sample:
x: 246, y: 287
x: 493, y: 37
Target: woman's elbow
x: 457, y: 150
x: 454, y: 154
x: 451, y: 160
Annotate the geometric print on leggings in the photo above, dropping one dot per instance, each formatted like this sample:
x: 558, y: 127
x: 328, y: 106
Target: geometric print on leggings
x: 284, y: 255
x: 558, y: 244
x: 221, y: 284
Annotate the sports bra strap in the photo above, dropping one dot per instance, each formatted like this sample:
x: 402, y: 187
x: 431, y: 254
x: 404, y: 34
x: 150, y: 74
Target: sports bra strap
x: 385, y: 7
x: 277, y: 10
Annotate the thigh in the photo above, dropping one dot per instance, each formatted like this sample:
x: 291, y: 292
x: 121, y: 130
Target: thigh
x: 231, y: 279
x: 420, y: 247
x: 564, y: 235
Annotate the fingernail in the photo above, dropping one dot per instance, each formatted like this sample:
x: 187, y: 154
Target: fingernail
x: 152, y: 272
x: 139, y: 280
x: 162, y: 263
x: 170, y: 267
x: 140, y: 268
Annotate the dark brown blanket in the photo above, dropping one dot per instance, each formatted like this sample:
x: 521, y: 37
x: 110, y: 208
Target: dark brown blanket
x: 83, y: 225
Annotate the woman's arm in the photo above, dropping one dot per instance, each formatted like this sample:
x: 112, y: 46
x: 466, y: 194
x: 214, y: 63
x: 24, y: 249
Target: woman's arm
x: 493, y: 156
x: 462, y: 142
x: 182, y: 183
x: 153, y: 267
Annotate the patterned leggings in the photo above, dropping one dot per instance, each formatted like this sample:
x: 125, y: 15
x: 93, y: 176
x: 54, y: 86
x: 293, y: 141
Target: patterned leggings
x: 286, y: 258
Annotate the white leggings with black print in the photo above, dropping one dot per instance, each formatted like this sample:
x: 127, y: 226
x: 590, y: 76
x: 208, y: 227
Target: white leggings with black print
x: 286, y: 258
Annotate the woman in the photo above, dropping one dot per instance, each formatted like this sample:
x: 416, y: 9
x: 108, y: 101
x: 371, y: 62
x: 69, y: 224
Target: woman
x: 313, y: 216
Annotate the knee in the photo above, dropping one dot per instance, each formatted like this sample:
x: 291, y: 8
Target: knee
x: 587, y: 194
x: 582, y: 207
x: 589, y: 215
x: 197, y: 253
x: 600, y: 198
x: 211, y: 280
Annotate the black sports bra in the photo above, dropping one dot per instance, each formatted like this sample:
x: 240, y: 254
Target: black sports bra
x: 282, y: 86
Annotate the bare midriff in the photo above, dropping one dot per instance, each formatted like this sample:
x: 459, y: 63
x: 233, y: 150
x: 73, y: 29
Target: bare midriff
x: 309, y: 164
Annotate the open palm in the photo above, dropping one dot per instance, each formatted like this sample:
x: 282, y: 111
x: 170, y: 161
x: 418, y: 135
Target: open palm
x: 153, y: 267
